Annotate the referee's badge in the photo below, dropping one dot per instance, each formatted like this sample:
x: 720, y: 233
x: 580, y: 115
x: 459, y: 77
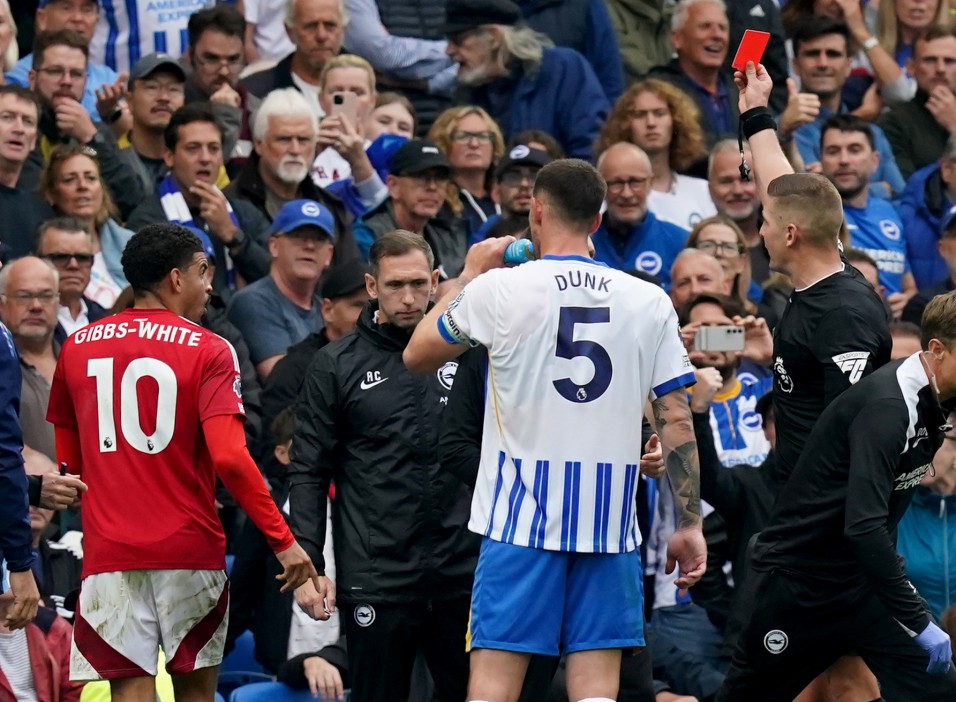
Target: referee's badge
x: 364, y: 615
x: 775, y: 641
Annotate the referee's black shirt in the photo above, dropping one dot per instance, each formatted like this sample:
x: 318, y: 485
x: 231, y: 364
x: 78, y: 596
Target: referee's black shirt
x: 831, y: 335
x: 834, y: 523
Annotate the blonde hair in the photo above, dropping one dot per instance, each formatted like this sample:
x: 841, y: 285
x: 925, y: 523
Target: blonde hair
x: 440, y: 133
x: 687, y: 138
x: 740, y: 285
x: 813, y: 202
x: 59, y: 155
x: 888, y: 26
x: 348, y: 61
x: 12, y: 54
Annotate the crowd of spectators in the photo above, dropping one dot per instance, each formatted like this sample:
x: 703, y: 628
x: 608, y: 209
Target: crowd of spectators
x: 292, y: 135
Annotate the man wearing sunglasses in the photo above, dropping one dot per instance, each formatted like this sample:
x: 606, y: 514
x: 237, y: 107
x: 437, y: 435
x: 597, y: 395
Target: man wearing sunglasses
x: 65, y: 242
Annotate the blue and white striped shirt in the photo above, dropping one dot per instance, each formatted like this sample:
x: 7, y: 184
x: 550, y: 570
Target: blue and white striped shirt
x: 575, y: 349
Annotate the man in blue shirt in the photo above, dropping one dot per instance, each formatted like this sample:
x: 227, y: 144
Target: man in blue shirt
x: 821, y: 60
x: 80, y: 16
x: 630, y: 237
x: 848, y: 158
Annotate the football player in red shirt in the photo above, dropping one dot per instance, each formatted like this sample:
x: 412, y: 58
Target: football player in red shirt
x: 147, y: 407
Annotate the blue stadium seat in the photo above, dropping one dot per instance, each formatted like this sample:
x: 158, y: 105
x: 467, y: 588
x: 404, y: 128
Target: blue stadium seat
x: 220, y: 698
x: 230, y: 559
x: 271, y: 692
x: 241, y: 659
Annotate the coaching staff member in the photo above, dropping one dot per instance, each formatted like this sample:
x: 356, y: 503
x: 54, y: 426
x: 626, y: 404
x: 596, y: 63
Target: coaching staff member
x: 829, y: 580
x: 403, y: 555
x: 833, y: 331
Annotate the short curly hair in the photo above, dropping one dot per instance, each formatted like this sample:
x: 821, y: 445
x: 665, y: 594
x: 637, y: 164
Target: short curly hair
x: 687, y: 137
x: 154, y: 251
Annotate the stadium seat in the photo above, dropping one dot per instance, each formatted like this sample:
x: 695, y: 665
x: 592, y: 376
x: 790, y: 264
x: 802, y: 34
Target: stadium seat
x: 230, y: 559
x: 272, y: 692
x: 242, y: 658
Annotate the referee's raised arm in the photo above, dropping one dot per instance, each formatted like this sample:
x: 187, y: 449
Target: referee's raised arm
x: 759, y: 127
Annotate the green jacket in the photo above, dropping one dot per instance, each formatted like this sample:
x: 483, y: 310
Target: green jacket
x: 643, y: 34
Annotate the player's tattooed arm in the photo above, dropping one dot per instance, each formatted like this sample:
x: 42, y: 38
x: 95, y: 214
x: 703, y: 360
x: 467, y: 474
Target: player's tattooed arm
x: 675, y: 426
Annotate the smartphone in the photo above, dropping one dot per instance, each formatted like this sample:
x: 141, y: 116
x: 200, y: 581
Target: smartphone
x: 751, y: 48
x: 345, y: 104
x: 719, y: 338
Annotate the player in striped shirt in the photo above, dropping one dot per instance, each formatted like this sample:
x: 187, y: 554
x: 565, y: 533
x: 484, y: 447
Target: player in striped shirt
x: 575, y: 349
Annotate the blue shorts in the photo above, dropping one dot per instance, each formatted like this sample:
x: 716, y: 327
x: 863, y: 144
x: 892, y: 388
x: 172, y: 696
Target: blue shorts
x: 529, y: 600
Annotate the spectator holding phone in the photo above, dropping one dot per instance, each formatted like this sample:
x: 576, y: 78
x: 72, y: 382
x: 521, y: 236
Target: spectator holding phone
x: 347, y: 97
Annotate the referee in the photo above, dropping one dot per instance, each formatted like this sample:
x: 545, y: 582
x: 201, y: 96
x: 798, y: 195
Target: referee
x: 829, y: 580
x: 833, y: 331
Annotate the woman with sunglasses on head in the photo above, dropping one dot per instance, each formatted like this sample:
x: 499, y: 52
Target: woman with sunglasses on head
x: 72, y: 185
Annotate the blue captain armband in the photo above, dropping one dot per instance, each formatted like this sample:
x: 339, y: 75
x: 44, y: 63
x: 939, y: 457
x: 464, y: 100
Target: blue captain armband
x: 451, y: 333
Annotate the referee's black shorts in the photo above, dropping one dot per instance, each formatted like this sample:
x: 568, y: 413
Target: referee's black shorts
x: 799, y: 627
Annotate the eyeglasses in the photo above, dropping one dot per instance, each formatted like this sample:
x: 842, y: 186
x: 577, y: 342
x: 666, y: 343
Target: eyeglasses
x: 726, y: 248
x: 465, y: 137
x: 616, y: 187
x: 60, y: 72
x: 25, y: 298
x: 515, y: 178
x: 438, y: 178
x: 62, y: 260
x: 213, y: 61
x: 152, y: 88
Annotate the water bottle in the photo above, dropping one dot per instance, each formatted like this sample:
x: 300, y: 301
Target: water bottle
x: 518, y: 252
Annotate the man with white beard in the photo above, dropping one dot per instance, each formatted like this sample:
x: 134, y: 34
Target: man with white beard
x: 277, y: 172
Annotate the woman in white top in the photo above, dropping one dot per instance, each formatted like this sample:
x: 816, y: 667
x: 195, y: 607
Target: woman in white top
x: 342, y: 142
x: 665, y: 123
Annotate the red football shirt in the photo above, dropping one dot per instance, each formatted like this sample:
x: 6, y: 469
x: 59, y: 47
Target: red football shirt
x: 137, y: 386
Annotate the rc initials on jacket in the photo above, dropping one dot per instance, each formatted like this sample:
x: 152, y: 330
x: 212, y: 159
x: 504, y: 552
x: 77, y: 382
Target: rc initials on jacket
x: 372, y: 378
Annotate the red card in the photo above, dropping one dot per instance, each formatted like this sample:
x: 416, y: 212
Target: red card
x: 751, y: 49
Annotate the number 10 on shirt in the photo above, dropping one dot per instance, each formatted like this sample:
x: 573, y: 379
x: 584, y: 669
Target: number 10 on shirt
x: 165, y: 378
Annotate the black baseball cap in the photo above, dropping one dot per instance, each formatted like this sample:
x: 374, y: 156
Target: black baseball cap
x: 151, y: 63
x: 343, y: 279
x: 522, y: 155
x: 462, y: 15
x: 417, y: 156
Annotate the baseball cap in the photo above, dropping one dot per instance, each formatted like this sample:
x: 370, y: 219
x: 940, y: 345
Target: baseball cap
x: 946, y: 223
x: 522, y: 155
x: 416, y: 156
x: 303, y: 213
x: 151, y: 63
x: 343, y: 279
x: 462, y: 15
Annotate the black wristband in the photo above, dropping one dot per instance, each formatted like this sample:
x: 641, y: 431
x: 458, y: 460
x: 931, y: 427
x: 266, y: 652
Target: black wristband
x: 756, y: 120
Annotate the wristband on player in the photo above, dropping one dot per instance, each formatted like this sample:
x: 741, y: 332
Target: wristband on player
x: 756, y: 120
